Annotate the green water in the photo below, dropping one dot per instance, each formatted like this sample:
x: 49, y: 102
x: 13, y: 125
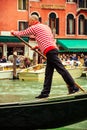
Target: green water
x: 18, y: 91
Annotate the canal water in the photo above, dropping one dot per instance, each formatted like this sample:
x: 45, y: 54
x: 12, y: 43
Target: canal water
x: 18, y: 91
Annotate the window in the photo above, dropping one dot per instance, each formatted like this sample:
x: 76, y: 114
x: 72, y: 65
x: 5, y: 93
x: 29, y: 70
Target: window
x: 22, y: 25
x: 71, y: 0
x: 82, y: 25
x: 22, y: 4
x: 70, y: 24
x: 54, y: 23
x: 82, y: 3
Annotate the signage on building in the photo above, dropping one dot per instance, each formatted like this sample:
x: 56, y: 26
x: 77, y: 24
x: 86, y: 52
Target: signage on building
x: 5, y: 33
x: 52, y: 6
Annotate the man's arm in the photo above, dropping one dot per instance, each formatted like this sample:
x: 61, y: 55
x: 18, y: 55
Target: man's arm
x: 25, y: 32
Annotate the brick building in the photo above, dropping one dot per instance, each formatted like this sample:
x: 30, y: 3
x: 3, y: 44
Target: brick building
x: 66, y: 18
x: 13, y: 16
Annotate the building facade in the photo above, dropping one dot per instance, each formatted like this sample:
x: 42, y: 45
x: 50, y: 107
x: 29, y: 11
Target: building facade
x: 13, y: 16
x: 66, y: 18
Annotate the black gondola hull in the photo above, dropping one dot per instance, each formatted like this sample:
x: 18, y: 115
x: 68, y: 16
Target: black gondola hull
x: 46, y: 113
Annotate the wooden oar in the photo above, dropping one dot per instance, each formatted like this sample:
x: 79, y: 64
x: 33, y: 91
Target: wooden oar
x: 78, y: 86
x: 26, y: 43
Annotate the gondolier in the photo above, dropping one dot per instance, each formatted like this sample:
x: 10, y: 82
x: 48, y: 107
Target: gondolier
x: 47, y: 45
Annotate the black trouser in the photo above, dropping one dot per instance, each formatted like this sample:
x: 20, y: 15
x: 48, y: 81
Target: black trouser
x: 54, y: 62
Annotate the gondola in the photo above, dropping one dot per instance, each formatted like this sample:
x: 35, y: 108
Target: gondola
x: 46, y: 113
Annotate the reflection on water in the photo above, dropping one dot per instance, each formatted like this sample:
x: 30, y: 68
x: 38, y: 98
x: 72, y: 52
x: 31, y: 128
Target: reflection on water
x: 18, y: 91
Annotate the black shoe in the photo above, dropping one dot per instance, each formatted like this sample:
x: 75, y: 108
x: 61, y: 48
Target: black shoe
x: 42, y: 96
x: 73, y: 90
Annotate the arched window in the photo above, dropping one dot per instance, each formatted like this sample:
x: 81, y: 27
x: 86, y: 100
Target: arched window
x: 54, y: 23
x: 70, y: 24
x: 82, y: 23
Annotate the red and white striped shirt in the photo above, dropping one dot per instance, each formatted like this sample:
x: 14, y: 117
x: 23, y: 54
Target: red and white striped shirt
x: 43, y: 36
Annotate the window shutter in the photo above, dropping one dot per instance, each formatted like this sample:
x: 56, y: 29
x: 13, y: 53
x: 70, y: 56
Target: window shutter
x: 26, y: 25
x: 67, y: 26
x: 57, y: 25
x: 79, y: 27
x: 85, y: 26
x: 74, y: 30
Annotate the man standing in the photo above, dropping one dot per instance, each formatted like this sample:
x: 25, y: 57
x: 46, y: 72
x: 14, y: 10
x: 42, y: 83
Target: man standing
x: 47, y: 46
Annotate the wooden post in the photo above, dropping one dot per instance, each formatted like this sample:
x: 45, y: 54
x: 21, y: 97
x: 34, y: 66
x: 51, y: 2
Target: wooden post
x: 14, y: 65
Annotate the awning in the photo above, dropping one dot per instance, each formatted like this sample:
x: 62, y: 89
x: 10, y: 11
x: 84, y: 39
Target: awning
x: 12, y: 39
x: 73, y: 45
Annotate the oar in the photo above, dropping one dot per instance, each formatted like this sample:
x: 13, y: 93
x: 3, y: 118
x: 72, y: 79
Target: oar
x: 26, y: 43
x: 78, y: 86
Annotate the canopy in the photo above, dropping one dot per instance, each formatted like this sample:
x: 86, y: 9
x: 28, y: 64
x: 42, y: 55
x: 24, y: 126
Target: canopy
x: 12, y: 39
x: 73, y: 45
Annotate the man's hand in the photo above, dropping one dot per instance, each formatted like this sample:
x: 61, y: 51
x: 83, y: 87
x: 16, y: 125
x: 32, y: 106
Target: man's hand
x: 13, y: 33
x: 35, y: 47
